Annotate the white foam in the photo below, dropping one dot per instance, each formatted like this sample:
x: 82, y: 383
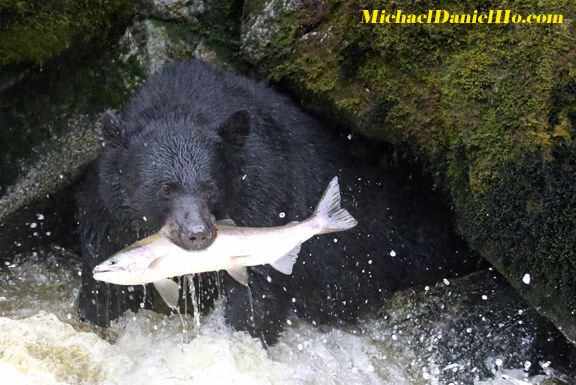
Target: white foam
x: 42, y: 342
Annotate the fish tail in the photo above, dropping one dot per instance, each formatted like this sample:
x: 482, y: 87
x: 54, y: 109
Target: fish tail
x: 329, y: 215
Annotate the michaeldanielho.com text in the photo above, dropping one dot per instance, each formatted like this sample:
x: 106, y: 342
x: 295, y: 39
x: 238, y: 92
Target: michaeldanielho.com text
x: 440, y: 16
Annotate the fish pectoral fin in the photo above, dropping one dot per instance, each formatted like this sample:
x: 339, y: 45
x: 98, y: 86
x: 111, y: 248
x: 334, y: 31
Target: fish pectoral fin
x: 239, y: 273
x: 226, y: 222
x: 155, y: 263
x: 169, y: 291
x: 287, y: 261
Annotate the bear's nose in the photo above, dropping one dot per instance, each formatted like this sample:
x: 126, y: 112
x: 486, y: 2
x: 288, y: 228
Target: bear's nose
x: 198, y: 237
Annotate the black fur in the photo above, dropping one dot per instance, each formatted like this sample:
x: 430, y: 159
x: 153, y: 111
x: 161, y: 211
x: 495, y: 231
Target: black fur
x: 190, y: 127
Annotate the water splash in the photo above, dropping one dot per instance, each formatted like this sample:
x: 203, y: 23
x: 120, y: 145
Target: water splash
x: 51, y: 346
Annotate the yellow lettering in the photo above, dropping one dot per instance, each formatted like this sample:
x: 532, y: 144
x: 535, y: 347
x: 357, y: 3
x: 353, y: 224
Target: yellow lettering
x: 421, y: 19
x: 442, y: 16
x: 474, y: 16
x: 498, y: 16
x: 382, y: 16
x: 481, y: 18
x: 557, y: 19
x: 369, y: 18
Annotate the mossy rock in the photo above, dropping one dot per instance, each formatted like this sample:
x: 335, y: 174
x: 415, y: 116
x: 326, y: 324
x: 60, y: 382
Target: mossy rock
x: 490, y: 108
x: 34, y: 31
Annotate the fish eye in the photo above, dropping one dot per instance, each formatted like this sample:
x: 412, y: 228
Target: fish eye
x: 113, y: 261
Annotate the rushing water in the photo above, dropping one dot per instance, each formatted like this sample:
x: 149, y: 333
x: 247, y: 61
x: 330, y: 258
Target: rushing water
x: 42, y: 342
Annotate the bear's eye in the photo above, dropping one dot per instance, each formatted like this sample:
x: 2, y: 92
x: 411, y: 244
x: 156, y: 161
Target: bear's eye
x: 167, y: 190
x: 211, y: 188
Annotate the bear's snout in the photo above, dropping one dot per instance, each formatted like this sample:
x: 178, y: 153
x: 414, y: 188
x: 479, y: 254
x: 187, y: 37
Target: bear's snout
x: 191, y: 226
x: 198, y: 237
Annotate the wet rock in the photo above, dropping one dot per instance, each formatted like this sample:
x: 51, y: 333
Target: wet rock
x: 553, y: 381
x: 50, y: 133
x: 261, y: 26
x: 35, y: 32
x: 189, y: 11
x: 470, y: 329
x: 451, y: 95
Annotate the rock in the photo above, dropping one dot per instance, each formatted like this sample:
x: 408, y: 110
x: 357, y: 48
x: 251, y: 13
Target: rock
x: 489, y: 108
x: 33, y: 33
x: 470, y: 329
x: 50, y: 133
x: 553, y: 381
x: 189, y: 12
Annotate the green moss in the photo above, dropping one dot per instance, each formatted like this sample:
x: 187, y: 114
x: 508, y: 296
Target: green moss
x: 12, y: 5
x: 39, y: 30
x: 492, y: 108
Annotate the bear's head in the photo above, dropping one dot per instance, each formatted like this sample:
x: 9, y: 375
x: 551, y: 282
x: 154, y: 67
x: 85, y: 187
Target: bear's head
x: 172, y: 175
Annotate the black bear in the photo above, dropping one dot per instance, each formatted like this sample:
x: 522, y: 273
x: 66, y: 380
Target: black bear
x: 196, y: 145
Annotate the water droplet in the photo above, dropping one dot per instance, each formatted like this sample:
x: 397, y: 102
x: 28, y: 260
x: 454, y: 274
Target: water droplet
x: 526, y: 279
x: 392, y: 253
x: 282, y: 214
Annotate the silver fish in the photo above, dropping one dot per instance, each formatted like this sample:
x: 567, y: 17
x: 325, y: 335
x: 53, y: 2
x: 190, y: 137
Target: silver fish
x: 155, y: 259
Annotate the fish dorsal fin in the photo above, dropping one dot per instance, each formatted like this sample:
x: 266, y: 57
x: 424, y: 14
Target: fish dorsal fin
x: 239, y: 273
x: 169, y: 291
x: 226, y: 222
x: 286, y: 262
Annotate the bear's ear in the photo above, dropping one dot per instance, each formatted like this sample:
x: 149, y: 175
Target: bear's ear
x: 236, y: 128
x: 112, y: 129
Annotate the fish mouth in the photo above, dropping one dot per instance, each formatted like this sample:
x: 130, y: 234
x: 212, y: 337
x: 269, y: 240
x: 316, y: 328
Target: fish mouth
x: 101, y: 269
